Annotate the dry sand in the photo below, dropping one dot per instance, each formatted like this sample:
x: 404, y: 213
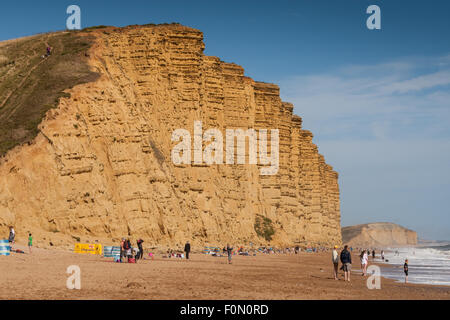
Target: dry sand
x: 42, y: 275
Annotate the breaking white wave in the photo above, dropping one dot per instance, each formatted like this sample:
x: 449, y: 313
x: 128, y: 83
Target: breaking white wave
x: 427, y: 265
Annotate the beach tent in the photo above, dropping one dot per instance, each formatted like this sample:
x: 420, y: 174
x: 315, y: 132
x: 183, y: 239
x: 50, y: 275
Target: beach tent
x: 5, y: 248
x: 111, y: 251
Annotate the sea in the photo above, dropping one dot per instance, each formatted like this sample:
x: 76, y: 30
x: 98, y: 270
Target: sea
x: 427, y: 264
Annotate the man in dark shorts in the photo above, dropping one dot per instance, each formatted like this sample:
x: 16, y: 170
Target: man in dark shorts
x: 405, y: 269
x: 346, y: 260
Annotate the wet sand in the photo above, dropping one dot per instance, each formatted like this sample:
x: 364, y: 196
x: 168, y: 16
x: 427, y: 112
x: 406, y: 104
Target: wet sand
x: 42, y: 275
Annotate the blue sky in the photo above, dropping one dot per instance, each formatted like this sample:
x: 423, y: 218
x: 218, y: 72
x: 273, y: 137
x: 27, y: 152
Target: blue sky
x: 377, y: 101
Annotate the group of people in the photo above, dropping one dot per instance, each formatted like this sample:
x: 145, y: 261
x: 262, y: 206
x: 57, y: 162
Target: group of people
x: 130, y: 254
x: 228, y: 250
x: 346, y: 260
x: 12, y: 239
x: 178, y: 254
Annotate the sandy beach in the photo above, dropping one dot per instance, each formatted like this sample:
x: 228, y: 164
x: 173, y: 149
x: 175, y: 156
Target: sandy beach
x: 42, y: 275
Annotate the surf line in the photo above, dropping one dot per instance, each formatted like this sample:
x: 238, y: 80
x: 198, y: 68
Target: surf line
x: 213, y: 152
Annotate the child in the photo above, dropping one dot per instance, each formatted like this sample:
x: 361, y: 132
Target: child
x: 30, y: 241
x: 405, y: 269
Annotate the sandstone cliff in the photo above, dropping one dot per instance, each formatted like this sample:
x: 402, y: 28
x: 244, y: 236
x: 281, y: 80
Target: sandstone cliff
x: 381, y: 234
x: 101, y: 167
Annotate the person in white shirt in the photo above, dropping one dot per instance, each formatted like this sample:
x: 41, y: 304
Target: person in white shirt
x: 335, y: 259
x: 136, y: 253
x: 364, y: 262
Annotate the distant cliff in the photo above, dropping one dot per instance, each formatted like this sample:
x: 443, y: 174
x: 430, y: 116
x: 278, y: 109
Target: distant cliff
x: 378, y: 234
x: 100, y: 165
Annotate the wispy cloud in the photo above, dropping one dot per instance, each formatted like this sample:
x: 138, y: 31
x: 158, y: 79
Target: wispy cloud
x: 386, y: 129
x: 427, y: 81
x: 402, y: 97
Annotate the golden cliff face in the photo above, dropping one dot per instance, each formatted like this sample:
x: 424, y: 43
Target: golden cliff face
x: 101, y: 167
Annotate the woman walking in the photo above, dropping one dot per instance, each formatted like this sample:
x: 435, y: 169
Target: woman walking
x: 335, y: 260
x: 364, y: 262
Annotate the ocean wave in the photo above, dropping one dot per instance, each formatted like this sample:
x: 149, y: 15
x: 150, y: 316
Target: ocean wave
x: 427, y: 265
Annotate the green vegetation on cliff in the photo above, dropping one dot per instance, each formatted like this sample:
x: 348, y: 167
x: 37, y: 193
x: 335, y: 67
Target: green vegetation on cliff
x: 31, y: 84
x: 264, y: 227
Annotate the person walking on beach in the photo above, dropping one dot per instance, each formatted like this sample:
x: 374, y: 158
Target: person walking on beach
x: 30, y: 242
x: 405, y: 269
x: 373, y: 254
x: 187, y: 249
x: 335, y: 259
x: 141, y: 250
x: 364, y: 262
x: 382, y: 255
x: 346, y: 260
x: 12, y: 236
x: 229, y: 252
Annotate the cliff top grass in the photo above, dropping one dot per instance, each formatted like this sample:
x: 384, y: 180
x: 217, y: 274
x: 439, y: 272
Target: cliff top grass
x: 30, y: 85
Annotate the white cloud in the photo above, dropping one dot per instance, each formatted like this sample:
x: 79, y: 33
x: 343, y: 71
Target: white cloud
x: 423, y: 82
x: 385, y: 129
x: 368, y: 97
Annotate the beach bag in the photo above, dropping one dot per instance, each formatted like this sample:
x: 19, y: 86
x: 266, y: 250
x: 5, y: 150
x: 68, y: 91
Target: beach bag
x: 131, y: 260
